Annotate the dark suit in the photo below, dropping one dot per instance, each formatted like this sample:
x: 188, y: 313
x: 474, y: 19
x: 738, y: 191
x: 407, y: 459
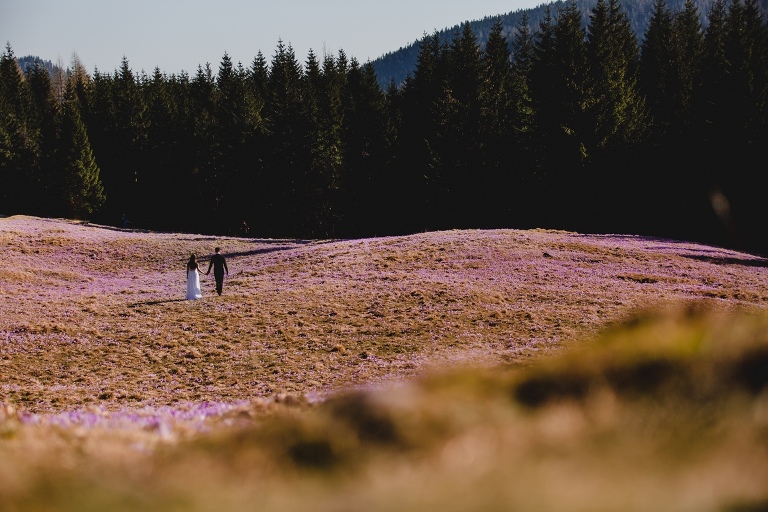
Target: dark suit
x: 219, y: 265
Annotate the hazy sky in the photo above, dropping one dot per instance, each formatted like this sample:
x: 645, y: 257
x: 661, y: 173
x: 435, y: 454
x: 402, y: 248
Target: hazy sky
x: 180, y: 35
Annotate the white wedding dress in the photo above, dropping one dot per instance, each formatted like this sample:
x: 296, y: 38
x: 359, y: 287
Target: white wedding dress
x: 193, y: 285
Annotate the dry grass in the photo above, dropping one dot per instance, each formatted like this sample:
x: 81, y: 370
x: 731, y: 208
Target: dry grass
x: 397, y: 373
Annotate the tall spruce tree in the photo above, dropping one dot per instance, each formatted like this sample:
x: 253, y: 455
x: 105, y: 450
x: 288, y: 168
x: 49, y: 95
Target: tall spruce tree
x: 657, y: 68
x: 713, y: 90
x: 523, y: 141
x: 258, y: 76
x: 288, y: 156
x: 203, y: 185
x: 47, y: 187
x: 224, y: 141
x: 236, y: 127
x: 616, y: 108
x: 542, y: 77
x: 167, y: 159
x: 558, y: 94
x: 399, y: 182
x: 116, y: 124
x: 732, y: 122
x: 669, y: 64
x: 686, y: 51
x: 417, y: 159
x: 496, y: 129
x: 322, y: 90
x: 460, y: 134
x: 681, y: 169
x: 367, y: 135
x: 617, y: 118
x: 82, y: 192
x: 252, y: 191
x: 21, y: 152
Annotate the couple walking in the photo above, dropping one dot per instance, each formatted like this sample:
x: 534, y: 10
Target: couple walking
x: 219, y: 265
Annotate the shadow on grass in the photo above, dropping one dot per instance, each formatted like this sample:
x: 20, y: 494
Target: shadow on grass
x: 729, y: 260
x: 287, y: 242
x: 154, y: 302
x: 287, y: 245
x: 701, y: 249
x: 108, y: 227
x: 254, y: 252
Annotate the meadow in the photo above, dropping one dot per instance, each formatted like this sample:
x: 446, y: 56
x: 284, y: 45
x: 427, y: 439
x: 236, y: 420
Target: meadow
x: 454, y: 370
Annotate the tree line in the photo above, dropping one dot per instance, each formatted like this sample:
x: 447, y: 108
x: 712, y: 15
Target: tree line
x: 574, y: 125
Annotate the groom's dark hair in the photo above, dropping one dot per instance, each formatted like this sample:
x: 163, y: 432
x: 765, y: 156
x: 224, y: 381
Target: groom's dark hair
x: 217, y: 249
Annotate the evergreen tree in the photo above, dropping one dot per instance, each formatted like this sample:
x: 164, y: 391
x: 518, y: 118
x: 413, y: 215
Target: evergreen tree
x: 288, y: 153
x: 558, y: 94
x: 522, y: 121
x: 47, y: 186
x: 657, y: 67
x: 236, y: 125
x: 745, y: 54
x: 258, y: 78
x: 167, y: 153
x: 6, y: 158
x: 417, y: 161
x: 367, y: 135
x: 669, y: 63
x: 572, y: 68
x: 21, y: 151
x: 78, y: 77
x: 459, y: 136
x: 687, y: 51
x: 323, y: 112
x: 116, y: 124
x: 732, y: 117
x: 497, y: 129
x: 330, y: 157
x: 616, y: 116
x: 616, y: 110
x: 713, y: 76
x: 82, y: 192
x: 205, y: 149
x: 497, y: 81
x: 399, y: 182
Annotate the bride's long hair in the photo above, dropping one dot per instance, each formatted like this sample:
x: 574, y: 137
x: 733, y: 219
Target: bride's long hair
x: 192, y: 263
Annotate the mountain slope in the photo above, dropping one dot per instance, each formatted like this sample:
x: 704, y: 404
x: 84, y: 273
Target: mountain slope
x: 396, y: 65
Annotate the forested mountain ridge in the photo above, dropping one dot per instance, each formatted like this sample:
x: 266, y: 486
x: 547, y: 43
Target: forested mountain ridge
x: 396, y: 65
x: 29, y: 61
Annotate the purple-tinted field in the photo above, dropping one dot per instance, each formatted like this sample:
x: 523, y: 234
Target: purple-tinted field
x: 102, y: 362
x: 92, y: 318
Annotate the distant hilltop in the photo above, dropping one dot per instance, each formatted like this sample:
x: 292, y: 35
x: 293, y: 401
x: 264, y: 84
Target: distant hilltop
x: 28, y: 62
x: 397, y: 65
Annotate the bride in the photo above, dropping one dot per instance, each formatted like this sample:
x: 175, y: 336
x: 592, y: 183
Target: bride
x: 193, y: 279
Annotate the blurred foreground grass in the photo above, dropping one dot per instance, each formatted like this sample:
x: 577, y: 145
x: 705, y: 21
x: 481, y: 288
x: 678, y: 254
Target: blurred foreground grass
x: 668, y: 412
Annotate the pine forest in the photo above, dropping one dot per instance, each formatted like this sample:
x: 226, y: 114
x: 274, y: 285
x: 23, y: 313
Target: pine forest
x: 571, y: 125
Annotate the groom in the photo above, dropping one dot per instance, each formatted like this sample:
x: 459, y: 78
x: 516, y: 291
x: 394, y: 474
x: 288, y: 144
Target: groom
x: 219, y: 265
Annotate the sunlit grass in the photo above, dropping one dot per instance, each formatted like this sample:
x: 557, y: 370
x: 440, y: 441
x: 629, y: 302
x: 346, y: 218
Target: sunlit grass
x: 460, y: 370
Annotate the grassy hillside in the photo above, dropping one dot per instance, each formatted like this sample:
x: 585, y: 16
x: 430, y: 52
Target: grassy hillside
x: 460, y: 370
